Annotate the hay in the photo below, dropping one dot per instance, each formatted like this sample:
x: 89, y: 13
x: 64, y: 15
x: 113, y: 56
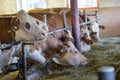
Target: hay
x: 104, y: 53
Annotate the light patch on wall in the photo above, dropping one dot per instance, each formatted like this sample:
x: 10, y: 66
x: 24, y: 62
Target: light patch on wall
x: 8, y: 7
x: 109, y: 3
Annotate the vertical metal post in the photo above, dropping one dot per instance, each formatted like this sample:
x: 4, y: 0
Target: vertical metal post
x: 75, y: 23
x: 96, y: 15
x: 64, y: 20
x: 85, y: 14
x: 24, y: 65
x: 45, y: 19
x: 24, y: 62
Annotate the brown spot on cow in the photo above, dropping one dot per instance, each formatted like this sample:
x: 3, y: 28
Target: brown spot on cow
x: 27, y: 25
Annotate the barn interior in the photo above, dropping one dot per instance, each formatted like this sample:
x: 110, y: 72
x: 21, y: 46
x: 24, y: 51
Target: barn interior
x: 105, y: 52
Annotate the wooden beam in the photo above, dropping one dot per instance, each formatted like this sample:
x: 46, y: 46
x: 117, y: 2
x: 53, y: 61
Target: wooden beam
x: 75, y: 23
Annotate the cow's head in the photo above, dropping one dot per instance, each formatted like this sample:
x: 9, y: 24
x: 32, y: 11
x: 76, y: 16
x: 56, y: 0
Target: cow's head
x: 85, y: 35
x: 67, y: 36
x: 28, y: 28
x: 70, y: 56
x: 94, y: 31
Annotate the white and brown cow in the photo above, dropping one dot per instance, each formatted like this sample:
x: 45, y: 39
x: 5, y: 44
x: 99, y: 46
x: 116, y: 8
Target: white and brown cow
x: 63, y: 47
x: 27, y: 27
x: 70, y: 56
x: 55, y: 21
x: 94, y: 28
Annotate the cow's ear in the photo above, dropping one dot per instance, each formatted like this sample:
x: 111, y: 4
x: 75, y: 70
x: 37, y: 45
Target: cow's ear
x: 102, y: 27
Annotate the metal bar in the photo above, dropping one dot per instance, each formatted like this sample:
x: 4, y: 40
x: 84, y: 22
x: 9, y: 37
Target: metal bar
x: 75, y: 23
x: 91, y: 14
x: 96, y: 15
x: 88, y: 22
x: 24, y: 63
x: 24, y: 69
x: 64, y: 20
x: 45, y: 18
x: 85, y: 14
x: 55, y: 31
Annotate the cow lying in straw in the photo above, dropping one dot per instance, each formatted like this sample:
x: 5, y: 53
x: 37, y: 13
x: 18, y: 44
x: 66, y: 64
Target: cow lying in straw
x: 67, y: 54
x: 63, y: 47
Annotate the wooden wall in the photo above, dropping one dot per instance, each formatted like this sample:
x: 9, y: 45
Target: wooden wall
x: 5, y: 36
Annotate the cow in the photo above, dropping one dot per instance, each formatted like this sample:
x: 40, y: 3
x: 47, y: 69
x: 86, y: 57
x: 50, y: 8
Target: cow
x: 70, y: 56
x: 55, y: 22
x: 28, y: 28
x: 86, y: 40
x: 62, y: 47
x: 94, y: 28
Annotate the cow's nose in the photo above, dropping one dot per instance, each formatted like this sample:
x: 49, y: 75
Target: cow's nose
x: 89, y: 42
